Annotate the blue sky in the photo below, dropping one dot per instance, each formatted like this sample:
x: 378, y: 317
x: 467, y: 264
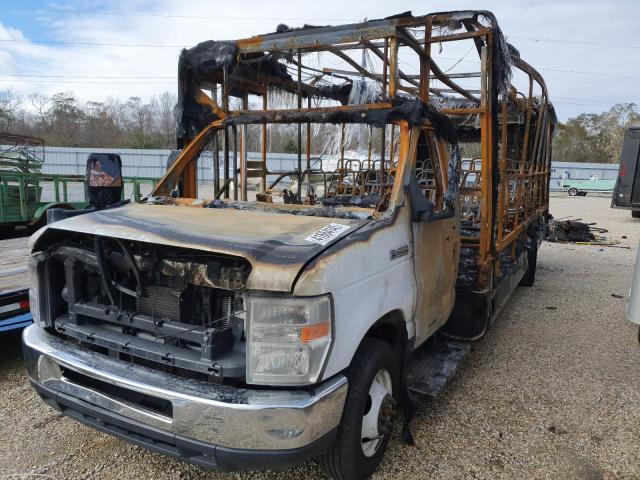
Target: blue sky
x: 584, y: 49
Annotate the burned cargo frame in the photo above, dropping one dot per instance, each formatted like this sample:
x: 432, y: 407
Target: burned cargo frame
x: 504, y: 208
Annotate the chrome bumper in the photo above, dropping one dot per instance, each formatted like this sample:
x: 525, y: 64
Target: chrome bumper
x: 264, y: 420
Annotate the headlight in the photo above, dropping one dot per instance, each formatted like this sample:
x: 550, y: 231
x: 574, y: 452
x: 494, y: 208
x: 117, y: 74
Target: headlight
x: 39, y: 302
x: 288, y: 339
x: 34, y: 265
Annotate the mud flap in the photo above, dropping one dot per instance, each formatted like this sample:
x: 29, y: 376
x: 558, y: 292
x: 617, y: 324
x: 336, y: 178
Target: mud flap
x: 408, y: 404
x: 409, y: 408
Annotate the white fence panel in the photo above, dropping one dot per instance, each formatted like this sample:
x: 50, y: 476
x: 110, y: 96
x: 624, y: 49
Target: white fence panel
x: 152, y: 163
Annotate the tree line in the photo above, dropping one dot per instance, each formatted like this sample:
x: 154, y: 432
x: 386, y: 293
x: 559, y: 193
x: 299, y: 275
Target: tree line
x: 595, y: 137
x: 63, y: 120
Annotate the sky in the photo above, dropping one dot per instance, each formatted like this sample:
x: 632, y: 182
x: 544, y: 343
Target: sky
x: 585, y: 50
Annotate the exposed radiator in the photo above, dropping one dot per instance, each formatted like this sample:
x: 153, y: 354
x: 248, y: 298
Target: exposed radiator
x: 173, y: 299
x: 163, y: 300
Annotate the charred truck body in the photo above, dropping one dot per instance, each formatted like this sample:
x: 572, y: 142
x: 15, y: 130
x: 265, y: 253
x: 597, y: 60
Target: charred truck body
x: 626, y: 192
x: 250, y: 333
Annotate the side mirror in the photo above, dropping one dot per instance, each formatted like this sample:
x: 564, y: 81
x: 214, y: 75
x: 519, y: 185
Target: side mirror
x: 421, y: 207
x: 103, y: 179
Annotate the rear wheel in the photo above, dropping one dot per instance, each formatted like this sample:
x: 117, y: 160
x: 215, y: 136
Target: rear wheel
x: 573, y: 192
x: 635, y: 213
x: 532, y: 258
x: 368, y: 413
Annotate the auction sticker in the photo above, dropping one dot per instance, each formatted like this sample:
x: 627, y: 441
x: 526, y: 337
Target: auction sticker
x: 327, y: 233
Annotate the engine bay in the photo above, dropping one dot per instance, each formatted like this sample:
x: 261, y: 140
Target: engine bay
x: 172, y: 309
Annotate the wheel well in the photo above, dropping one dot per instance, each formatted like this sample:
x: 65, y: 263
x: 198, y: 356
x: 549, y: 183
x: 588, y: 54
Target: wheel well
x: 392, y: 330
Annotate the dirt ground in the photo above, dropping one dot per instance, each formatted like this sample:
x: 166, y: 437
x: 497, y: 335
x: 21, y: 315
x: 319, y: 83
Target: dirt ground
x: 552, y: 391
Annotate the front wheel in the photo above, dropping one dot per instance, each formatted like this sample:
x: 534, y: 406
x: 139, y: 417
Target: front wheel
x: 374, y: 385
x: 573, y: 192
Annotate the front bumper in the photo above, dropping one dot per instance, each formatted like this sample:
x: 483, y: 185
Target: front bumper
x: 221, y: 427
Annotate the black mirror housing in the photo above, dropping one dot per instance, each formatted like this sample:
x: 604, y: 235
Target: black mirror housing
x: 103, y: 179
x: 421, y: 206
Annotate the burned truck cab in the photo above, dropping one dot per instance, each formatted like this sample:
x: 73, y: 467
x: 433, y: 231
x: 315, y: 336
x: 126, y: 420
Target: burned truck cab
x: 221, y: 330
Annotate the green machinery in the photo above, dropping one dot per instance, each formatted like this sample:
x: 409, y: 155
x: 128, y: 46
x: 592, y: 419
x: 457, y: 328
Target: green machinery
x: 26, y: 193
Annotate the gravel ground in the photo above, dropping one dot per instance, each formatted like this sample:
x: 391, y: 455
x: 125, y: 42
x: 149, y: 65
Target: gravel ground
x: 552, y: 391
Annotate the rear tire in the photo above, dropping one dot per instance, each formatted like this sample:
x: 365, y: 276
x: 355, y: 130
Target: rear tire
x: 532, y: 259
x: 635, y: 213
x: 573, y: 192
x: 372, y: 373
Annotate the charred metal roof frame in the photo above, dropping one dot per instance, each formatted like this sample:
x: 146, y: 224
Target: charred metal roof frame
x: 375, y: 91
x: 253, y: 65
x: 414, y: 112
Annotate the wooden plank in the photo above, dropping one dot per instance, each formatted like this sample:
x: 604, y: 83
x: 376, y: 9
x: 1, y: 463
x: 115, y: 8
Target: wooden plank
x: 14, y: 254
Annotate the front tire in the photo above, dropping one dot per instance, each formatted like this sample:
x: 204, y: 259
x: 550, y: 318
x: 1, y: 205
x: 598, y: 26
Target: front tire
x: 374, y: 387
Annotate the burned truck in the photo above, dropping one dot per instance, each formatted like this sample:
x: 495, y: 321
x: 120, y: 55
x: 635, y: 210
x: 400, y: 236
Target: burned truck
x: 283, y: 314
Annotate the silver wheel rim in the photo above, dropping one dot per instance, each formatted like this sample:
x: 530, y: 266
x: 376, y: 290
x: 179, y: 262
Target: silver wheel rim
x: 370, y: 437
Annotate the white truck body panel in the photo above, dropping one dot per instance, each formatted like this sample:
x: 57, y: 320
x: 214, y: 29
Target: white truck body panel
x: 633, y: 309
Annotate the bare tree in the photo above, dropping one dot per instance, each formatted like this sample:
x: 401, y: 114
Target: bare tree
x: 42, y: 110
x: 164, y: 120
x: 67, y: 117
x: 10, y: 103
x: 139, y: 122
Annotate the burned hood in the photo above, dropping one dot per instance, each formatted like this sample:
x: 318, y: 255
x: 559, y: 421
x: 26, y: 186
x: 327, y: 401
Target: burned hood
x: 277, y: 245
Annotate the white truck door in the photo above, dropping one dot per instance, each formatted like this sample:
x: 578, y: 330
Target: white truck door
x: 435, y: 243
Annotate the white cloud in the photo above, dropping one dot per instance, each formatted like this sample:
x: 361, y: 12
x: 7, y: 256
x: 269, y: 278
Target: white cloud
x: 601, y: 22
